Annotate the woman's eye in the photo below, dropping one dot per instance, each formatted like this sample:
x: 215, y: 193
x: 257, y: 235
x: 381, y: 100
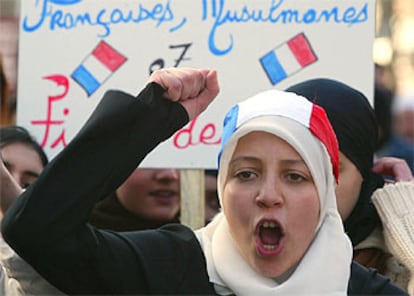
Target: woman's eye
x: 245, y: 175
x: 295, y: 177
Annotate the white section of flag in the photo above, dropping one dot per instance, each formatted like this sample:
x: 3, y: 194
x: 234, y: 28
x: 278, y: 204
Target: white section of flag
x: 289, y: 105
x: 98, y: 70
x: 287, y: 59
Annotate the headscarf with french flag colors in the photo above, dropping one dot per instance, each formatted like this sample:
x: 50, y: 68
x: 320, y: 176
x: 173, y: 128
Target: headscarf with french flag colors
x: 291, y: 106
x: 306, y: 128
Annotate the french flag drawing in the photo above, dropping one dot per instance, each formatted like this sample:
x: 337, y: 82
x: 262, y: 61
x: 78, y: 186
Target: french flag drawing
x: 97, y: 67
x: 288, y: 58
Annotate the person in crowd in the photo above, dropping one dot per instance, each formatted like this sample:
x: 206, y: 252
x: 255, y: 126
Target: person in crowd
x: 401, y: 143
x: 279, y: 230
x: 23, y: 158
x: 212, y: 206
x: 148, y: 199
x: 380, y: 241
x: 22, y: 161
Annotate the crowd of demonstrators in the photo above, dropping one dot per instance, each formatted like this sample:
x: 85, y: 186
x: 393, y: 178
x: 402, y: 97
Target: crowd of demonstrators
x: 125, y: 209
x: 148, y: 199
x: 401, y: 142
x: 279, y: 217
x: 380, y: 241
x: 22, y: 161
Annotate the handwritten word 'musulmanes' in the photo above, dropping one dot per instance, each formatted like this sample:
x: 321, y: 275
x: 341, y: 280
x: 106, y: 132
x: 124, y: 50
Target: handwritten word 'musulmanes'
x: 276, y: 13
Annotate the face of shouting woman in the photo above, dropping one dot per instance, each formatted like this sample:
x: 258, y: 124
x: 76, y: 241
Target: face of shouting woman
x: 271, y: 203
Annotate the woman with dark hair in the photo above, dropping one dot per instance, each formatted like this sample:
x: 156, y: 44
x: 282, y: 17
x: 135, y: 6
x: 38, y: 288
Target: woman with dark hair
x: 22, y: 156
x: 18, y: 134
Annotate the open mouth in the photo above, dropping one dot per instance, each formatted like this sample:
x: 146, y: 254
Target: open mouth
x: 270, y: 235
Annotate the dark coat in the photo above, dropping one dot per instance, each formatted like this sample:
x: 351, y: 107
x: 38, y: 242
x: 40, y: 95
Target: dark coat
x: 47, y: 225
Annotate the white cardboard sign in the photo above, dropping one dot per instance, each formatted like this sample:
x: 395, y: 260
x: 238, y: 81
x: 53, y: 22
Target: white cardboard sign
x: 72, y: 51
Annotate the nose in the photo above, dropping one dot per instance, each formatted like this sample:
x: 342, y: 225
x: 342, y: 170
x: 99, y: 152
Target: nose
x: 270, y: 195
x: 167, y: 174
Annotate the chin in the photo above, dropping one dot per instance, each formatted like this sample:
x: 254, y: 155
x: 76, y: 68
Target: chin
x: 269, y: 269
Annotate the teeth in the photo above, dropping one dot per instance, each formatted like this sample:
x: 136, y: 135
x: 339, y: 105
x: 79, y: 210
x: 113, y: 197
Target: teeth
x: 269, y: 224
x: 269, y: 247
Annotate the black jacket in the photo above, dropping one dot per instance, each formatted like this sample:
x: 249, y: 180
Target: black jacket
x: 47, y: 225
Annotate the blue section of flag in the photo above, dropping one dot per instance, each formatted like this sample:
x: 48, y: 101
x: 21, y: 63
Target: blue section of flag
x: 272, y: 67
x: 85, y: 79
x: 229, y: 127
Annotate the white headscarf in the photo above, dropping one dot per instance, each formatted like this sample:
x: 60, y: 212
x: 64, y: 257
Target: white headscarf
x: 325, y: 267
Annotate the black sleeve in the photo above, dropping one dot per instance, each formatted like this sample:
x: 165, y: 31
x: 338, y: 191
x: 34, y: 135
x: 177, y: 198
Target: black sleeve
x: 47, y: 225
x: 367, y: 281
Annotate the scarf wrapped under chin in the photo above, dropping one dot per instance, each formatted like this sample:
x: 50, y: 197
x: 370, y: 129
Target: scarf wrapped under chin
x: 324, y: 268
x: 316, y: 274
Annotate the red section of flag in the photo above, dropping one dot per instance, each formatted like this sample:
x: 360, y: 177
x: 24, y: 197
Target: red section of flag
x: 108, y: 56
x: 320, y: 127
x: 302, y: 50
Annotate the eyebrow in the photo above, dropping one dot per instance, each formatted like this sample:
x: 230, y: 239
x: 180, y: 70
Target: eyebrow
x: 293, y: 161
x: 244, y: 158
x: 289, y: 161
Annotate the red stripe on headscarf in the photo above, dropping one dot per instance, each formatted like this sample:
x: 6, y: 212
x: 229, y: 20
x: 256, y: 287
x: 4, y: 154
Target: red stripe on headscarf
x: 320, y: 126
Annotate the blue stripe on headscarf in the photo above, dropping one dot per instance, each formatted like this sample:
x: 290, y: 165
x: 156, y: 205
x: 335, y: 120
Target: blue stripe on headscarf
x: 229, y: 127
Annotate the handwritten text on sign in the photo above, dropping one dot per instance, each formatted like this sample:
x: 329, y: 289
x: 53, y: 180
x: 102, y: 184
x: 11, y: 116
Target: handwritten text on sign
x: 72, y: 51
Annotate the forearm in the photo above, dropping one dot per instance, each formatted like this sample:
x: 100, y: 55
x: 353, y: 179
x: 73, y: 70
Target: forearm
x: 395, y: 205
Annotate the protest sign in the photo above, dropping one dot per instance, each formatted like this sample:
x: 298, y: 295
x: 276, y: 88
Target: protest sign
x: 72, y: 51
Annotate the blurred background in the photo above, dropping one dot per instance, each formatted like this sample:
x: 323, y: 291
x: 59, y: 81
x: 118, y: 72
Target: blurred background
x: 394, y: 43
